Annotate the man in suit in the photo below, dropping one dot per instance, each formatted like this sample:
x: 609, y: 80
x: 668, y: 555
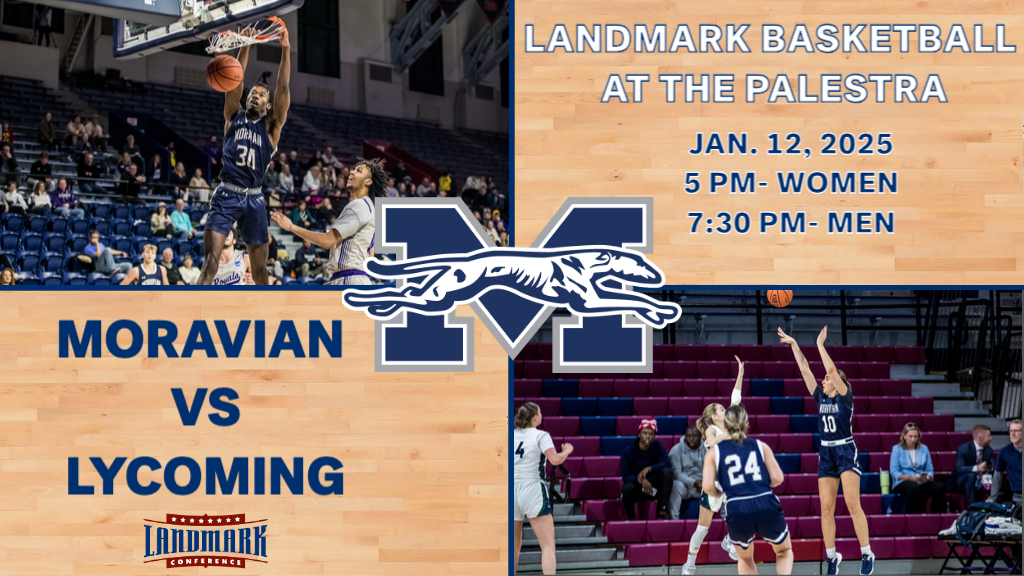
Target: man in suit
x: 973, y: 460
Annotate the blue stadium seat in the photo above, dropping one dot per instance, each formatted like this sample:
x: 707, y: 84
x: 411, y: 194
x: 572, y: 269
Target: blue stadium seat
x: 615, y: 445
x: 10, y: 241
x: 304, y: 280
x: 72, y: 264
x: 799, y: 424
x: 161, y: 245
x: 766, y: 387
x: 142, y: 229
x: 122, y: 243
x: 123, y: 212
x: 120, y: 227
x: 137, y: 243
x: 54, y: 242
x: 77, y: 242
x: 97, y: 279
x: 597, y: 425
x: 788, y: 406
x: 790, y: 463
x: 13, y: 222
x: 581, y: 407
x: 31, y: 241
x: 561, y: 388
x: 101, y: 225
x: 37, y: 223
x: 74, y: 279
x: 100, y: 210
x: 117, y: 278
x: 140, y: 212
x: 182, y: 247
x: 288, y: 280
x: 53, y: 262
x: 28, y: 261
x: 78, y: 226
x: 672, y: 425
x: 58, y: 225
x: 864, y: 461
x: 30, y: 279
x: 614, y: 407
x: 51, y: 279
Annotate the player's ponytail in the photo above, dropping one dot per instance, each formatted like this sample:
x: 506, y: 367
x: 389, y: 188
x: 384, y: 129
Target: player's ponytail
x: 525, y: 414
x: 705, y: 419
x: 737, y: 423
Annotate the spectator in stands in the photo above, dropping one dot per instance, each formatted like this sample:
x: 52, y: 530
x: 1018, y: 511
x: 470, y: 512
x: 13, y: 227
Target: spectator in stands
x: 171, y: 151
x: 687, y: 459
x: 89, y: 172
x: 134, y: 153
x: 42, y: 170
x: 95, y: 133
x: 274, y: 265
x: 503, y: 242
x: 403, y: 192
x: 301, y: 216
x: 156, y: 169
x: 40, y: 198
x: 160, y: 222
x: 197, y: 184
x: 392, y: 191
x: 44, y: 23
x: 423, y: 190
x: 182, y: 222
x: 400, y: 173
x: 63, y: 200
x: 472, y: 183
x: 103, y: 257
x: 444, y: 184
x: 646, y: 471
x: 433, y: 191
x: 1010, y: 462
x: 47, y: 137
x: 9, y: 169
x: 6, y: 134
x: 492, y: 231
x: 311, y: 182
x: 326, y: 213
x: 330, y: 160
x: 75, y: 131
x: 328, y: 177
x: 123, y: 163
x: 189, y: 273
x: 216, y: 154
x: 973, y: 460
x: 293, y: 163
x: 490, y: 199
x: 132, y: 181
x: 285, y: 180
x: 179, y: 182
x: 307, y: 262
x: 282, y: 161
x: 167, y: 263
x: 913, y: 475
x: 7, y: 277
x: 316, y: 160
x: 15, y: 201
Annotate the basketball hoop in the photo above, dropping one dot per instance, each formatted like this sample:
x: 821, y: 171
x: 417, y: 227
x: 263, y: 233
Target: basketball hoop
x: 251, y: 34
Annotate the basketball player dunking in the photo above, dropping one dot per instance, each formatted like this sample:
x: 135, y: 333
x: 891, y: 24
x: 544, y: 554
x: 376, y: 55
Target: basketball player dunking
x: 350, y: 238
x: 250, y: 140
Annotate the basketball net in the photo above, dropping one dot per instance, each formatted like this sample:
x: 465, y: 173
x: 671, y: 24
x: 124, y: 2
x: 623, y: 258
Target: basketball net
x: 231, y: 39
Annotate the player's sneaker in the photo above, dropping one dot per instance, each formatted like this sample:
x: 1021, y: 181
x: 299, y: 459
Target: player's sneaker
x: 728, y: 547
x: 867, y: 564
x: 689, y: 569
x: 833, y: 564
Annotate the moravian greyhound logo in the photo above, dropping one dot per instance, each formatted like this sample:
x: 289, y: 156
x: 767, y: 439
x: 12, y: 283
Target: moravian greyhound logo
x: 577, y: 279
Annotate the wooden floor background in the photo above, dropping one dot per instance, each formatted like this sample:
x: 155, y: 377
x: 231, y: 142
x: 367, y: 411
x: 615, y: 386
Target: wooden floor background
x: 425, y: 465
x: 959, y: 211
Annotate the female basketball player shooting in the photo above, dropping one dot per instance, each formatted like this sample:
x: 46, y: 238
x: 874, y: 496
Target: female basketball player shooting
x: 530, y: 449
x: 837, y: 457
x: 250, y: 140
x: 711, y: 425
x: 747, y: 471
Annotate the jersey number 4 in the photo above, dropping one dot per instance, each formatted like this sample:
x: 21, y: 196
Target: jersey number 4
x: 751, y: 469
x: 246, y: 157
x: 520, y: 450
x: 830, y: 424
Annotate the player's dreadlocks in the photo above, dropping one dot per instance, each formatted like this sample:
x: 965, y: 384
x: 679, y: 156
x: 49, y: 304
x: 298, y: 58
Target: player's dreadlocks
x: 378, y: 176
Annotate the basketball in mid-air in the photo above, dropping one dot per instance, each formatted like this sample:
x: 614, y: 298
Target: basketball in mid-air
x: 224, y: 73
x: 780, y: 298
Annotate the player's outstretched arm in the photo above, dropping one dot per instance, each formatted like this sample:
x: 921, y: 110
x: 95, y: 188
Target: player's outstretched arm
x: 282, y: 96
x: 233, y: 98
x: 830, y: 366
x: 801, y: 361
x: 737, y: 392
x: 325, y: 240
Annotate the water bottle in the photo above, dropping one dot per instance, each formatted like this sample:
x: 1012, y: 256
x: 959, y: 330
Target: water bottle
x: 884, y: 477
x: 888, y: 511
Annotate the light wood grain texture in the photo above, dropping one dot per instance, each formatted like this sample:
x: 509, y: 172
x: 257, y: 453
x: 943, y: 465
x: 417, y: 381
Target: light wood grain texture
x: 425, y: 466
x: 959, y: 211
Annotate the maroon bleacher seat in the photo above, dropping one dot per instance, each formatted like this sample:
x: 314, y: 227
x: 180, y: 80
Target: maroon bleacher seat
x: 912, y: 547
x: 879, y: 354
x: 796, y: 444
x: 529, y: 352
x: 769, y: 424
x: 888, y: 405
x: 954, y: 440
x: 888, y: 525
x: 867, y: 441
x: 867, y: 387
x: 663, y: 352
x: 722, y: 352
x: 712, y: 369
x: 879, y: 461
x: 646, y: 554
x: 779, y: 353
x: 630, y: 388
x: 944, y: 461
x: 727, y: 385
x: 596, y: 388
x: 873, y: 370
x: 603, y: 510
x: 589, y: 489
x: 561, y: 425
x: 602, y: 466
x: 628, y: 425
x: 613, y: 487
x: 750, y: 353
x: 811, y: 406
x: 619, y: 532
x: 808, y: 526
x: 686, y: 406
x: 537, y: 369
x: 650, y: 406
x: 690, y: 352
x: 666, y: 387
x: 937, y: 422
x: 870, y: 423
x: 785, y: 369
x: 936, y: 442
x: 754, y: 406
x: 582, y: 445
x: 517, y: 368
x: 750, y: 370
x: 666, y: 531
x: 924, y: 525
x: 894, y: 387
x: 862, y: 404
x: 575, y: 466
x: 782, y: 489
x: 802, y: 483
x: 700, y: 387
x: 770, y: 440
x: 795, y: 388
x: 657, y: 371
x: 680, y: 369
x: 918, y: 405
x: 808, y: 462
x: 852, y: 369
x: 909, y: 355
x: 807, y: 550
x: 526, y: 388
x: 846, y: 353
x: 796, y: 506
x: 544, y: 351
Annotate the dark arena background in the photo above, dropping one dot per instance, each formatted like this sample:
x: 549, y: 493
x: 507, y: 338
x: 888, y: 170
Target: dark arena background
x: 945, y: 360
x: 421, y: 84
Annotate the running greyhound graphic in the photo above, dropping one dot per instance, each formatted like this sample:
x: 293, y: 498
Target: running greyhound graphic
x: 571, y: 278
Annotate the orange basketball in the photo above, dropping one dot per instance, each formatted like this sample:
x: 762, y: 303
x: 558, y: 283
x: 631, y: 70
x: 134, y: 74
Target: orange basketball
x: 224, y: 73
x: 780, y: 298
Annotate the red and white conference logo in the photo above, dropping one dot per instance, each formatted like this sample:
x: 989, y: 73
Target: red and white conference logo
x: 184, y: 540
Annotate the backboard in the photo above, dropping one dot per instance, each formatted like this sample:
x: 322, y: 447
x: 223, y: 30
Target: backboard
x: 199, y: 20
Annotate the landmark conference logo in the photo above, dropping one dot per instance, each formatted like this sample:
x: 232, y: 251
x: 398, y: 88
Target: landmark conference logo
x: 188, y: 541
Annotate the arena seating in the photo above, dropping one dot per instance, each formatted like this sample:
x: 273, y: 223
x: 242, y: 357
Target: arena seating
x: 599, y: 414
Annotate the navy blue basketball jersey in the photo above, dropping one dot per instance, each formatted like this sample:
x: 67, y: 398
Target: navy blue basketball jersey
x: 247, y: 152
x: 835, y: 415
x: 741, y: 470
x: 156, y: 278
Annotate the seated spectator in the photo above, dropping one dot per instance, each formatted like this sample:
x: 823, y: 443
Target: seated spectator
x: 330, y: 160
x: 75, y: 131
x: 472, y: 183
x: 490, y: 199
x: 95, y: 134
x: 286, y: 182
x: 47, y: 137
x: 188, y: 272
x: 156, y: 172
x: 216, y: 154
x: 326, y: 213
x: 167, y: 263
x: 271, y: 180
x: 327, y: 178
x: 42, y: 170
x: 6, y: 134
x: 301, y: 216
x: 293, y: 163
x: 403, y: 192
x: 198, y: 185
x: 134, y: 153
x: 40, y: 199
x: 311, y: 182
x: 132, y: 181
x: 160, y: 222
x: 444, y: 184
x: 912, y: 473
x: 492, y: 231
x: 15, y: 201
x: 316, y: 160
x: 503, y: 236
x: 646, y: 471
x: 182, y: 222
x: 9, y: 169
x: 274, y: 265
x: 7, y: 277
x: 123, y: 164
x: 103, y: 257
x: 1010, y: 462
x: 90, y: 172
x: 687, y: 459
x: 392, y: 191
x: 423, y: 190
x: 62, y: 199
x: 400, y: 173
x: 307, y: 262
x: 433, y: 191
x: 179, y: 181
x: 281, y: 162
x: 973, y: 462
